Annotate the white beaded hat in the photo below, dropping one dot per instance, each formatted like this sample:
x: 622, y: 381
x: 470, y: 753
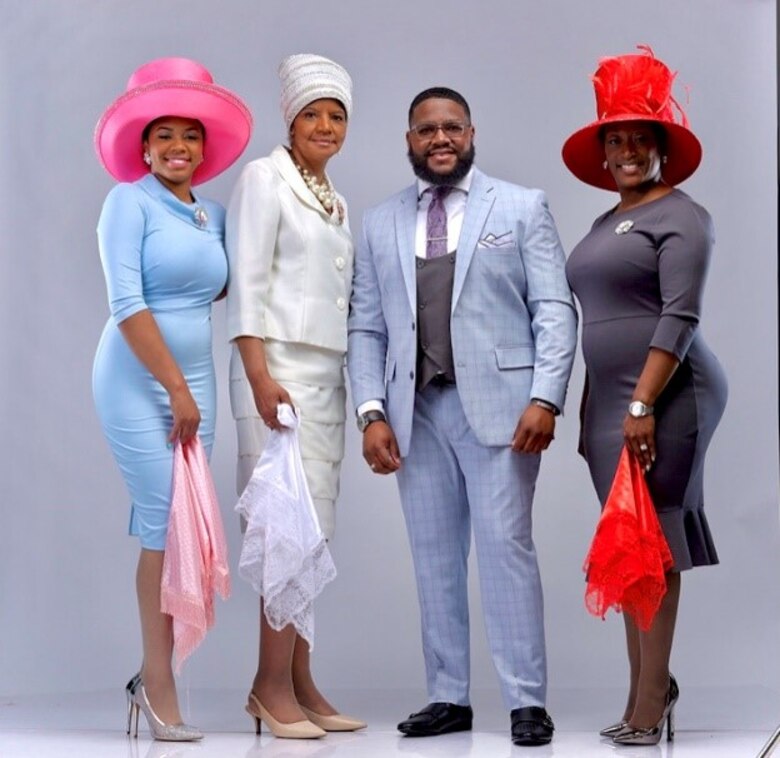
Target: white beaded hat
x: 306, y: 78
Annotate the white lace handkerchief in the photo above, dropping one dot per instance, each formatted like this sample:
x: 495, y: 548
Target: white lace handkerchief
x: 284, y: 556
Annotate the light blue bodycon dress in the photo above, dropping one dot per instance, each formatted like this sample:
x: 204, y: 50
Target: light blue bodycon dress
x: 155, y: 257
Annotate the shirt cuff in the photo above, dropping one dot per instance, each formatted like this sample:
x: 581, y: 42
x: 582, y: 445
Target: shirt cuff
x: 370, y: 405
x: 547, y: 405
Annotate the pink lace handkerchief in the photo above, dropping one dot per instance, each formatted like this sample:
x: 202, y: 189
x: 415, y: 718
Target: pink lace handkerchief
x: 195, y: 565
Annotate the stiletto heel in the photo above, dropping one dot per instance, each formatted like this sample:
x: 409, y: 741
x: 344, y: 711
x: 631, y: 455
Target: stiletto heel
x: 159, y: 729
x: 130, y: 691
x: 299, y: 730
x: 652, y: 735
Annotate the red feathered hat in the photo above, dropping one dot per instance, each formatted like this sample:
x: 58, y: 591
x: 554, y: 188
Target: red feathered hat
x: 633, y: 88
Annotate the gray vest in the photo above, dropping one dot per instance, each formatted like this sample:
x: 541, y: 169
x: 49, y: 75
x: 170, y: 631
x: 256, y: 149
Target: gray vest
x: 435, y: 277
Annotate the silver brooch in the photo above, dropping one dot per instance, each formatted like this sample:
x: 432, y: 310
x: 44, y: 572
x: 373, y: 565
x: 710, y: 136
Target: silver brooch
x: 201, y: 217
x: 624, y: 226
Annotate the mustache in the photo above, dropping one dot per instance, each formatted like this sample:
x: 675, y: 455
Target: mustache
x: 462, y: 166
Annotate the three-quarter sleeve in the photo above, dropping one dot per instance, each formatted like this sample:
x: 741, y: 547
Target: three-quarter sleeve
x: 683, y: 259
x: 120, y: 240
x: 251, y: 230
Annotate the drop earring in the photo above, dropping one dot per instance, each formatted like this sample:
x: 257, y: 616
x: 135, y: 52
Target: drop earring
x: 147, y: 158
x: 664, y: 159
x: 605, y: 165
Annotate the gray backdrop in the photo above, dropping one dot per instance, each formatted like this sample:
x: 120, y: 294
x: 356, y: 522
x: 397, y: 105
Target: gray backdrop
x: 67, y: 604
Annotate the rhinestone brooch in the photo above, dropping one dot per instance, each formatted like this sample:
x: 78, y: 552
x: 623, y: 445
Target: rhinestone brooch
x: 624, y: 227
x: 201, y: 217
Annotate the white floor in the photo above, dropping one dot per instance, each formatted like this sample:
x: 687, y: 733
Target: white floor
x: 92, y: 726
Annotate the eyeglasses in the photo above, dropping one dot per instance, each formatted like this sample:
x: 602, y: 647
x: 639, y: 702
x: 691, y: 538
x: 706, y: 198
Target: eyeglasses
x: 427, y: 131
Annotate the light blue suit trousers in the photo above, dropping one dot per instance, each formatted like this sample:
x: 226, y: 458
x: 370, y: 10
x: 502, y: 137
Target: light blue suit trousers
x: 450, y: 484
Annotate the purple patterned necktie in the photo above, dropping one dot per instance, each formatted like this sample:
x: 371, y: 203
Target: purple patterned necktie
x: 436, y: 232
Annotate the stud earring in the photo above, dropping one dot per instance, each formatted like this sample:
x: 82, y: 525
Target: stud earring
x: 147, y: 159
x: 605, y: 165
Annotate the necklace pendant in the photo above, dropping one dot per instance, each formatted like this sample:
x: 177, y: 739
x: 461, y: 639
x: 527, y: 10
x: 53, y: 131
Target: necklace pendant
x: 201, y: 217
x: 624, y: 227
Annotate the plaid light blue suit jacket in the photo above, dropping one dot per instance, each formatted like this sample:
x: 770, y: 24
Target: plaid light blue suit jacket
x: 513, y: 322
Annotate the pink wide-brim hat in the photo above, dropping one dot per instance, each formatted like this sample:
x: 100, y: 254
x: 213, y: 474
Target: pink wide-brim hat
x: 177, y: 87
x: 633, y: 88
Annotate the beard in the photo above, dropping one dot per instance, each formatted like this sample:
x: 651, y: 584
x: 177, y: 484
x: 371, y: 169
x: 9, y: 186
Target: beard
x: 462, y: 167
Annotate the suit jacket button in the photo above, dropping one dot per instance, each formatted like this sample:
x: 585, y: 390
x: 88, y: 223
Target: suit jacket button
x: 411, y: 374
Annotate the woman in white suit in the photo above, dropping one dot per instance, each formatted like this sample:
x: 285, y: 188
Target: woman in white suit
x: 291, y: 258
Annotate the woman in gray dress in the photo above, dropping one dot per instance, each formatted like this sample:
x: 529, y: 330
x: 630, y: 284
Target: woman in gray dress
x: 652, y: 383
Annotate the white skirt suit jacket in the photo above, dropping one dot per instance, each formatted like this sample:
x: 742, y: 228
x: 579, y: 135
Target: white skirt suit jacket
x: 290, y: 276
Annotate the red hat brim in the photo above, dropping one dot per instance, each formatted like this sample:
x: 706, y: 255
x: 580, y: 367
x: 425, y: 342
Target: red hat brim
x: 225, y: 117
x: 583, y: 152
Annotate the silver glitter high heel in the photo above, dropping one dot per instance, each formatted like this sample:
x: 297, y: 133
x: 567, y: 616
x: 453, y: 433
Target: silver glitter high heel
x: 652, y: 735
x: 159, y: 729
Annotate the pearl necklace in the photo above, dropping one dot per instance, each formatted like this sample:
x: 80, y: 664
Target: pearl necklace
x: 321, y: 190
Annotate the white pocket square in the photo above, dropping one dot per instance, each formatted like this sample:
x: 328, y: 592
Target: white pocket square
x: 492, y: 240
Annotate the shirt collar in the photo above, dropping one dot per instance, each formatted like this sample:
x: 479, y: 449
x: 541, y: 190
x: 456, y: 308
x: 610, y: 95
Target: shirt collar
x: 464, y: 185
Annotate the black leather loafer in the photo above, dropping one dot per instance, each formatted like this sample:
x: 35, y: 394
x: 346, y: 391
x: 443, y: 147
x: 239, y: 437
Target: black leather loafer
x: 531, y: 726
x: 438, y: 718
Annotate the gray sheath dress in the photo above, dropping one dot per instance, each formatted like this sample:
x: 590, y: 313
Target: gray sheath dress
x: 639, y: 276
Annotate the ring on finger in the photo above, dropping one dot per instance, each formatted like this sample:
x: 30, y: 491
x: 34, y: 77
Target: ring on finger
x: 643, y: 447
x: 373, y: 466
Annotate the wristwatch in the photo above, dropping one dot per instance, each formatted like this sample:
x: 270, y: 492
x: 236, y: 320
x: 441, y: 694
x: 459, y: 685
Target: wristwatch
x: 364, y: 419
x: 638, y: 409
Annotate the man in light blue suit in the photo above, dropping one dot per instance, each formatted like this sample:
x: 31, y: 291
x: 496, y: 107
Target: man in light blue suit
x: 462, y: 332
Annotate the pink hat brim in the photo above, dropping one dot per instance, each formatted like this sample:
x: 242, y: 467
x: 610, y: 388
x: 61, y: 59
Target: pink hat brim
x: 583, y: 152
x: 225, y: 117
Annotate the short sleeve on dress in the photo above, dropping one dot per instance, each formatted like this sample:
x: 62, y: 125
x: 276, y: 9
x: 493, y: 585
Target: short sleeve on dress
x: 120, y: 239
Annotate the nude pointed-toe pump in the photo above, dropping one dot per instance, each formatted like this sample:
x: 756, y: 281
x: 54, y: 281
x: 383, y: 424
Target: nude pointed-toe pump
x: 337, y: 722
x: 297, y: 730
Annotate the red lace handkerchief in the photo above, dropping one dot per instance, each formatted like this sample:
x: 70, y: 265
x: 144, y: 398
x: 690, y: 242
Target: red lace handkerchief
x: 628, y: 558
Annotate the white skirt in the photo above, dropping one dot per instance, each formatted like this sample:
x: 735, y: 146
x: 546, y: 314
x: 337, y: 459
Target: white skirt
x: 314, y: 377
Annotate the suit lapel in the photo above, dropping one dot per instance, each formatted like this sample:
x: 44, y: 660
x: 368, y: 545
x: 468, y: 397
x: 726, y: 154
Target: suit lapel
x: 405, y: 228
x: 285, y: 166
x: 480, y: 201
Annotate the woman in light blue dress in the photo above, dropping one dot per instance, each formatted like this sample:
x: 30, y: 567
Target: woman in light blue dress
x: 161, y: 246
